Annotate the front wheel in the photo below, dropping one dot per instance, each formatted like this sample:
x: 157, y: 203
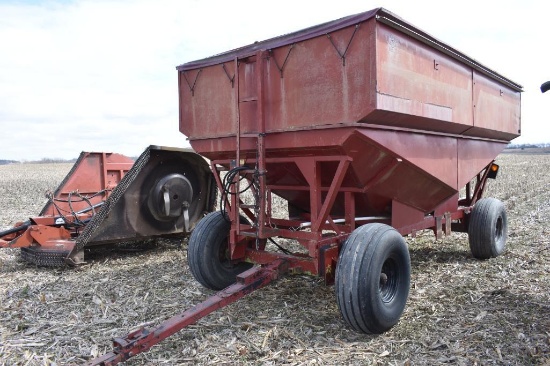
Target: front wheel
x: 373, y: 278
x: 208, y: 253
x: 487, y: 228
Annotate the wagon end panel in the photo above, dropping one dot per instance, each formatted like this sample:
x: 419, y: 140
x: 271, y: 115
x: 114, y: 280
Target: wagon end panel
x: 473, y: 157
x: 497, y: 109
x: 207, y: 101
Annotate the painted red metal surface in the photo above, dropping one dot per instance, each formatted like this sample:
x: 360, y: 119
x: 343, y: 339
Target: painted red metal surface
x: 363, y: 119
x: 20, y: 236
x: 402, y: 105
x: 82, y: 192
x: 94, y: 175
x: 369, y: 68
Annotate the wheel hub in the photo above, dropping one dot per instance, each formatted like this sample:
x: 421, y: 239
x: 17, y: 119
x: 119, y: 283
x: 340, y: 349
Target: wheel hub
x: 388, y: 280
x: 171, y: 196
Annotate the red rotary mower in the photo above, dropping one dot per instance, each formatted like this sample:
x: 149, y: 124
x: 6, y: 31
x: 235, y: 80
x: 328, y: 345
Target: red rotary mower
x: 369, y: 128
x: 108, y: 198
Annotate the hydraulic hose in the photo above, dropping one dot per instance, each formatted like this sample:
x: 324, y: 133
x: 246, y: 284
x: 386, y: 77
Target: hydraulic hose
x: 15, y: 229
x: 25, y: 225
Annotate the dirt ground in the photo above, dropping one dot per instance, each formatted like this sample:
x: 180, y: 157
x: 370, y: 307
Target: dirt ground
x: 460, y: 310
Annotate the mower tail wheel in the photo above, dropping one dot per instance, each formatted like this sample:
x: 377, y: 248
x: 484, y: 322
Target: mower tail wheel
x: 487, y: 228
x: 207, y: 253
x: 373, y: 278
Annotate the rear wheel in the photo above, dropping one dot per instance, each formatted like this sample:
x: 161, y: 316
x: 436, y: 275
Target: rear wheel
x: 208, y: 253
x: 487, y: 228
x: 372, y: 278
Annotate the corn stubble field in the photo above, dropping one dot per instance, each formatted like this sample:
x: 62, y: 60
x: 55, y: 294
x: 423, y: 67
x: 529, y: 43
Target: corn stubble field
x: 460, y: 310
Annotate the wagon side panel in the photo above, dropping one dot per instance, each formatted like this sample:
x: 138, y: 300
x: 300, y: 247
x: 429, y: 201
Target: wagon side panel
x: 326, y: 80
x: 419, y: 87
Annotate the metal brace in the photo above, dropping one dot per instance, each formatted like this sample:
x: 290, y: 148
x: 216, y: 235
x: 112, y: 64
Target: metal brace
x: 280, y: 68
x: 343, y: 55
x: 231, y: 78
x: 192, y: 87
x: 185, y: 207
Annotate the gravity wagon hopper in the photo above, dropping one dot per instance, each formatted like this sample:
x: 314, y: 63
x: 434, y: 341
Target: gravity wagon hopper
x: 369, y: 128
x: 108, y: 198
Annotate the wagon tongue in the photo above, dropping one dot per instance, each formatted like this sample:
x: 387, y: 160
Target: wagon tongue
x: 143, y: 339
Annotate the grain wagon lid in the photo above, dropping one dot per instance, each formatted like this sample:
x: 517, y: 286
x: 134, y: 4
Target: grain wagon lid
x: 380, y: 14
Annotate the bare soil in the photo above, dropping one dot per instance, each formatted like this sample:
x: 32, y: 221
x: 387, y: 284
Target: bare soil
x: 460, y: 310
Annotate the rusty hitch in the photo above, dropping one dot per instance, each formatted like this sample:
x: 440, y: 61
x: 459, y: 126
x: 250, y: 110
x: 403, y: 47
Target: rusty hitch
x: 143, y: 339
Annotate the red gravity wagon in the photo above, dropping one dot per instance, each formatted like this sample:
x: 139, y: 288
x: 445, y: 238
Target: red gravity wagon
x: 370, y: 129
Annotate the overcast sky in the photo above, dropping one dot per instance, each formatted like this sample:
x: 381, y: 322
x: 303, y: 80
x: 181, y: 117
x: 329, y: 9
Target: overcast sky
x: 93, y: 75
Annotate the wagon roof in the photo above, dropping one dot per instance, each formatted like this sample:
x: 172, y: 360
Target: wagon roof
x: 380, y: 14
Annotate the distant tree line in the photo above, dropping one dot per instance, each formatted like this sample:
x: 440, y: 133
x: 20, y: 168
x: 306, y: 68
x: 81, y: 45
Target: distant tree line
x: 52, y: 161
x: 528, y: 146
x: 41, y: 161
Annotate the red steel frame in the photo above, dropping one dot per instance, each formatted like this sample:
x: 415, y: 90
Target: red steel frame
x: 323, y: 249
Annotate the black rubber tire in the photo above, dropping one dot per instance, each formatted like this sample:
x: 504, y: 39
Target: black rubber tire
x: 207, y: 253
x: 488, y: 228
x: 373, y: 278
